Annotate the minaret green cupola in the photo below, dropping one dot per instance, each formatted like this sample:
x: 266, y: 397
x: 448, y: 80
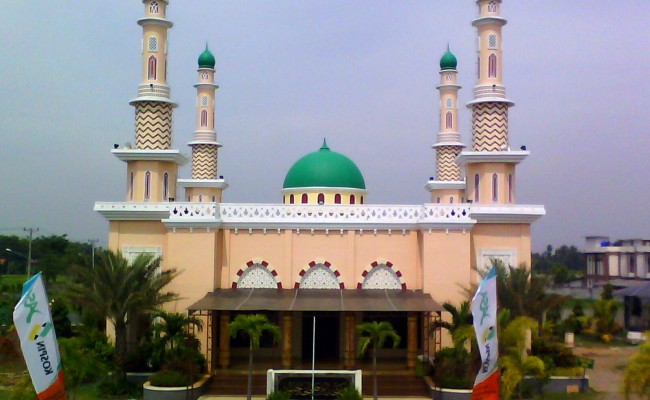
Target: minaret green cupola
x: 324, y: 177
x: 206, y: 59
x: 448, y: 60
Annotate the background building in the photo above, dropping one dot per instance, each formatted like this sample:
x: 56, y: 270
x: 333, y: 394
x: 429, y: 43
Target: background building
x: 621, y: 263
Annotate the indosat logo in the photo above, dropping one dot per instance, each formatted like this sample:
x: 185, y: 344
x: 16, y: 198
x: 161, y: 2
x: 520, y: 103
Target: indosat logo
x: 38, y: 331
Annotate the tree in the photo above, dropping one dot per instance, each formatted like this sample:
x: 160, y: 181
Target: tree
x: 460, y: 316
x: 120, y: 291
x: 174, y: 347
x: 172, y: 328
x: 253, y: 326
x: 374, y: 335
x: 636, y: 378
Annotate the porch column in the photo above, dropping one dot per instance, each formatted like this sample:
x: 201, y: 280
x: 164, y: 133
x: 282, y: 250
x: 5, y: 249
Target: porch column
x: 287, y: 323
x: 412, y: 340
x: 224, y: 339
x: 349, y: 345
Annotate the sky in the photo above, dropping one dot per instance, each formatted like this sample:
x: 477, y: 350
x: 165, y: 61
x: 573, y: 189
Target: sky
x: 360, y: 73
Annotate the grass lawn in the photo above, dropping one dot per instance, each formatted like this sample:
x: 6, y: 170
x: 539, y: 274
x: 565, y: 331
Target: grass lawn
x: 13, y: 280
x: 588, y: 395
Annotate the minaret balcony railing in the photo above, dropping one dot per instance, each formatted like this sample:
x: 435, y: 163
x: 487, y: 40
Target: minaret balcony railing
x: 489, y: 91
x: 153, y: 90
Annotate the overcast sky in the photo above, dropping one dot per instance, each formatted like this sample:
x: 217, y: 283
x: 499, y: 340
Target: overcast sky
x: 360, y: 73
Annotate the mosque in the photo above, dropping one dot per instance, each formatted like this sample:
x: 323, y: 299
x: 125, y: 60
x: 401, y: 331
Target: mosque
x: 324, y: 250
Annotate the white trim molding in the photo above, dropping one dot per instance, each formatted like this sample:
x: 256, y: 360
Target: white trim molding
x: 203, y: 183
x: 434, y: 185
x: 150, y: 155
x: 485, y: 256
x: 472, y: 157
x: 507, y: 213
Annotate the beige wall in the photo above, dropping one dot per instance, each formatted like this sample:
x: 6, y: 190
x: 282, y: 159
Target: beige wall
x: 446, y: 196
x: 505, y: 237
x: 192, y: 194
x: 485, y: 172
x: 157, y: 170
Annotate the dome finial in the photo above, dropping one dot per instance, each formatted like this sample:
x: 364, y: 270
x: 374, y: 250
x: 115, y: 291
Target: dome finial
x: 448, y: 60
x: 324, y: 146
x: 206, y: 59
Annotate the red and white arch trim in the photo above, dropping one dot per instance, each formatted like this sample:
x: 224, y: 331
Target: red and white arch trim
x: 317, y: 263
x: 257, y: 262
x: 378, y: 263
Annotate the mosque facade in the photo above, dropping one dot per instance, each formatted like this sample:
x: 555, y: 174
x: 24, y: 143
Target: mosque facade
x: 325, y: 251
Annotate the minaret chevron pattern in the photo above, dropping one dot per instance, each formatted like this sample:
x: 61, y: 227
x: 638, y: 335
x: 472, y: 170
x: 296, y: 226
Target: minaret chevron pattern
x: 153, y: 125
x: 204, y: 161
x: 490, y: 126
x: 448, y: 170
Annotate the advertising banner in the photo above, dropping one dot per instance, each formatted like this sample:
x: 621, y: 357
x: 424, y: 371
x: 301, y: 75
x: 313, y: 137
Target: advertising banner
x: 38, y: 342
x: 484, y: 312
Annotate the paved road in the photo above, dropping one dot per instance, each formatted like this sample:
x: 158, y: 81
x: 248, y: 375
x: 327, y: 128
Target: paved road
x: 607, y: 375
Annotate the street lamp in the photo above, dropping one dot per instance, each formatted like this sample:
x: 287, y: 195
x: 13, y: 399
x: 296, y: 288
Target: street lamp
x: 29, y: 260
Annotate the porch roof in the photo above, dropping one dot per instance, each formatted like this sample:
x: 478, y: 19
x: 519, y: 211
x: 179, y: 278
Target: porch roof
x: 316, y: 300
x: 641, y: 290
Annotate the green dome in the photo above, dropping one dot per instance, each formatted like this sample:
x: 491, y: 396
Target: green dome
x: 206, y: 59
x: 324, y: 168
x: 448, y: 60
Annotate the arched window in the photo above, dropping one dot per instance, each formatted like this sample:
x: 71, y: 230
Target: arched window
x: 200, y: 198
x: 337, y: 198
x: 478, y: 66
x: 495, y: 188
x: 214, y: 199
x: 147, y: 185
x: 449, y: 121
x: 291, y: 199
x: 353, y: 199
x: 153, y: 7
x: 450, y: 103
x: 305, y: 198
x: 204, y: 75
x: 131, y: 187
x: 492, y: 6
x: 477, y: 181
x: 153, y: 43
x: 510, y: 188
x: 165, y: 186
x: 451, y: 200
x: 492, y: 66
x: 204, y: 101
x: 204, y: 118
x: 321, y: 198
x: 153, y: 63
x: 492, y: 41
x: 438, y: 200
x: 361, y: 200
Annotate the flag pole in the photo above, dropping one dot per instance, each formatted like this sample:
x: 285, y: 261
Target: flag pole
x: 313, y: 356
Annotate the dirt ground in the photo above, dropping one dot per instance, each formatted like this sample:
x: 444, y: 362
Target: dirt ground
x: 607, y: 375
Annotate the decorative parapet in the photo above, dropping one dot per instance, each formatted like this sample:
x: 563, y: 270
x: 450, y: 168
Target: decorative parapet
x: 281, y: 216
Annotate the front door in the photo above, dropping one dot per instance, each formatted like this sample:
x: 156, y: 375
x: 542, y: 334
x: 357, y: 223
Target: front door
x: 327, y: 336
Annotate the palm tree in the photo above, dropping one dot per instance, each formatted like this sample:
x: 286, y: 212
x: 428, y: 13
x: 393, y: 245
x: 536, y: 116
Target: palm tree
x: 636, y: 379
x: 460, y: 316
x: 172, y: 328
x: 253, y: 326
x: 374, y: 335
x: 119, y: 291
x: 605, y: 318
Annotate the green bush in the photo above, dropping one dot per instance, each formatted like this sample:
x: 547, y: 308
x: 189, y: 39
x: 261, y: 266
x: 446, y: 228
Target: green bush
x: 169, y: 378
x: 450, y: 368
x: 350, y: 393
x: 113, y: 387
x: 554, y: 354
x: 279, y: 395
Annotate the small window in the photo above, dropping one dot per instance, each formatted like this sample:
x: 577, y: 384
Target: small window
x: 449, y: 77
x: 451, y: 200
x: 291, y: 199
x: 214, y: 199
x: 153, y: 7
x: 165, y: 186
x: 337, y: 198
x: 450, y: 103
x: 477, y: 181
x: 147, y: 185
x: 492, y: 7
x: 495, y: 188
x: 438, y: 200
x: 305, y: 198
x: 492, y: 66
x: 353, y: 200
x: 200, y: 198
x: 510, y: 188
x: 204, y: 101
x: 478, y: 67
x: 204, y: 118
x: 321, y: 198
x: 449, y: 121
x: 131, y: 187
x: 361, y: 200
x: 153, y: 43
x: 492, y: 41
x: 152, y: 65
x: 204, y: 75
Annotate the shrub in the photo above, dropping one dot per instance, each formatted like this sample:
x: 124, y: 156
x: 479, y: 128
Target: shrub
x: 279, y: 395
x: 450, y: 368
x: 554, y: 354
x: 350, y: 393
x: 113, y: 387
x: 170, y: 378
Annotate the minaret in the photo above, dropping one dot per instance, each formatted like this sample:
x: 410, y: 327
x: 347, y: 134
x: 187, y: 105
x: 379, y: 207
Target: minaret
x: 490, y: 166
x: 205, y: 185
x: 448, y: 187
x: 152, y: 166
